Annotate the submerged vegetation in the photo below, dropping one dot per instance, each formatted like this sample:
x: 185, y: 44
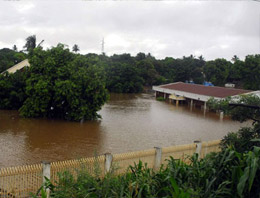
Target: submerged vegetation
x: 58, y: 84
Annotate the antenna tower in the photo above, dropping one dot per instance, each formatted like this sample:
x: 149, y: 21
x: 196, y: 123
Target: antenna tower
x: 103, y: 46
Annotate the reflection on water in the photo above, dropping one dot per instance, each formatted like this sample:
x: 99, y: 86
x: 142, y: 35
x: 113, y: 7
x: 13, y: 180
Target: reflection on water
x: 129, y: 122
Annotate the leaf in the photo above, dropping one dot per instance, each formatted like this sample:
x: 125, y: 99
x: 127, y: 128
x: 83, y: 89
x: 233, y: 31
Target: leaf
x: 255, y: 140
x: 253, y: 169
x: 242, y: 182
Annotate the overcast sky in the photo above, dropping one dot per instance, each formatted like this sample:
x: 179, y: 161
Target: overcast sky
x: 214, y: 29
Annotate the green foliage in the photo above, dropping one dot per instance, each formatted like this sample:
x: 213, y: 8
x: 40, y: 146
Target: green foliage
x: 30, y: 43
x: 225, y: 174
x: 240, y: 112
x: 251, y: 72
x: 75, y: 48
x: 9, y: 58
x: 222, y: 105
x: 124, y: 78
x: 12, y: 88
x: 242, y: 140
x: 218, y: 71
x: 160, y: 98
x: 63, y: 85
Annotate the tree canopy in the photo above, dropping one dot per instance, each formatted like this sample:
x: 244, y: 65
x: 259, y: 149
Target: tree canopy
x: 58, y: 84
x: 242, y: 108
x: 75, y: 48
x: 63, y: 85
x: 30, y: 43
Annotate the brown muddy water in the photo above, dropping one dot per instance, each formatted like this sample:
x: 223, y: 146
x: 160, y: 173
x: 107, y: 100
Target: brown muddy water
x: 130, y: 122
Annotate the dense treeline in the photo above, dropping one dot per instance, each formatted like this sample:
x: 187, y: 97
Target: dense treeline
x: 59, y: 82
x: 129, y: 74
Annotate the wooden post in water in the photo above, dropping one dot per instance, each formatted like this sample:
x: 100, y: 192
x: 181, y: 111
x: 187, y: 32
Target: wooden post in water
x: 191, y: 104
x: 158, y: 158
x: 198, y: 147
x: 108, y: 162
x: 221, y: 115
x: 205, y: 106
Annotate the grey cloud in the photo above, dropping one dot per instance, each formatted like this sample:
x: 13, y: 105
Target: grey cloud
x: 214, y: 29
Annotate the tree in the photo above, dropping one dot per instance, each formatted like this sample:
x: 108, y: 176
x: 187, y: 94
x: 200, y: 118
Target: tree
x: 30, y: 43
x: 124, y: 78
x: 63, y: 85
x: 242, y: 108
x: 147, y: 71
x: 251, y: 72
x: 14, y: 48
x: 235, y: 58
x: 12, y: 86
x: 140, y: 56
x: 246, y: 107
x: 75, y: 48
x: 217, y: 71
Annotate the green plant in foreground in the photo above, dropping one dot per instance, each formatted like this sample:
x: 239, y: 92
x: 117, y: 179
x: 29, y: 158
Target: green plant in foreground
x: 225, y: 174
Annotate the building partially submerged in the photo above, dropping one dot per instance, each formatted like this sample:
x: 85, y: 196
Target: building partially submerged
x: 195, y: 94
x: 18, y: 66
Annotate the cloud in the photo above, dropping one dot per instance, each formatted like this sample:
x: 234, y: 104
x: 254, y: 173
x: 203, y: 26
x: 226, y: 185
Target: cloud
x: 164, y: 28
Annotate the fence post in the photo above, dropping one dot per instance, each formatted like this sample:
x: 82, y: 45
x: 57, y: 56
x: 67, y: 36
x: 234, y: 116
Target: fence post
x: 46, y: 172
x: 198, y: 147
x: 158, y: 158
x: 108, y: 161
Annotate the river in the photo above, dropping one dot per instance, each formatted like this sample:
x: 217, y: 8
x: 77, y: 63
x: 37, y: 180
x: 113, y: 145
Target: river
x: 130, y: 122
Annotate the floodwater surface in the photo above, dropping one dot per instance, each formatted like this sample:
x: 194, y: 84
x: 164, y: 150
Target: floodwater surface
x: 130, y: 122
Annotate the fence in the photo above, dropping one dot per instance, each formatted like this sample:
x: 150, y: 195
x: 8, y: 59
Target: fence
x: 20, y: 181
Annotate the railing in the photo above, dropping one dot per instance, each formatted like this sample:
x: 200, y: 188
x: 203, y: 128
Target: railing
x: 20, y: 181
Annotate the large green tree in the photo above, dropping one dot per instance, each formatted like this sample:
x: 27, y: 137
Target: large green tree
x: 63, y: 85
x: 251, y: 72
x: 124, y: 78
x: 218, y: 71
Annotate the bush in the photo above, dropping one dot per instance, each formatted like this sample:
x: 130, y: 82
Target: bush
x: 243, y: 140
x: 63, y: 85
x: 160, y: 98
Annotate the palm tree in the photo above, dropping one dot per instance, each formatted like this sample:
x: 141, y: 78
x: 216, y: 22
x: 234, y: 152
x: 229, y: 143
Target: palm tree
x: 75, y: 48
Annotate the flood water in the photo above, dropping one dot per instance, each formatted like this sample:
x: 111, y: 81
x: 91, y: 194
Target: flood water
x: 130, y: 122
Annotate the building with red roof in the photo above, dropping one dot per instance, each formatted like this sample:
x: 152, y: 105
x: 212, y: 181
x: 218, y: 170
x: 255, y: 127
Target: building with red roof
x: 199, y: 94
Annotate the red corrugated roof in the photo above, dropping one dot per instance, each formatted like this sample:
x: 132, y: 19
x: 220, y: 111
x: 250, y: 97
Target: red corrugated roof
x: 220, y: 92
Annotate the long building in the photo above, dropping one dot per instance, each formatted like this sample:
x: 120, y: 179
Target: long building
x: 195, y: 94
